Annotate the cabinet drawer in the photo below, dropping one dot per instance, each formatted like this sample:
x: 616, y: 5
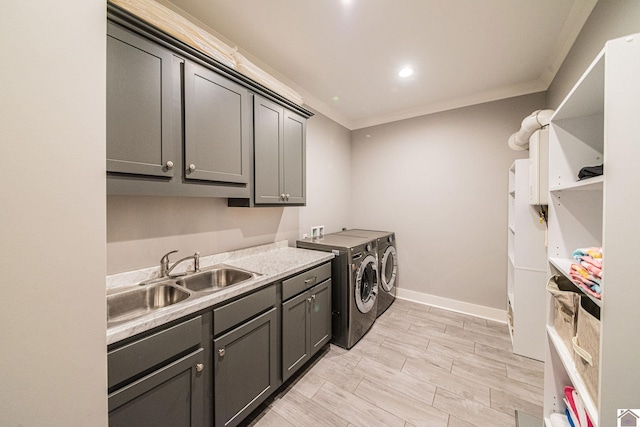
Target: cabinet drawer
x: 305, y: 280
x: 138, y: 356
x: 240, y: 310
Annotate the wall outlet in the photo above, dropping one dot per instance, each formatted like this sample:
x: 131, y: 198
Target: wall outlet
x: 305, y: 235
x: 317, y: 231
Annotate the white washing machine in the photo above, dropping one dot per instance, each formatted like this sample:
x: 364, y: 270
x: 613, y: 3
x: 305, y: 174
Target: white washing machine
x: 354, y: 288
x: 387, y: 263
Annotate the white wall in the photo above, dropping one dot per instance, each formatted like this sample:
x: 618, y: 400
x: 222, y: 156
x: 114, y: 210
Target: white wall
x: 440, y: 183
x: 52, y: 213
x: 610, y: 19
x: 141, y: 229
x: 328, y: 175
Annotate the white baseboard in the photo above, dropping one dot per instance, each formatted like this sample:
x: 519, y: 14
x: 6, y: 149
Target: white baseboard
x: 489, y: 313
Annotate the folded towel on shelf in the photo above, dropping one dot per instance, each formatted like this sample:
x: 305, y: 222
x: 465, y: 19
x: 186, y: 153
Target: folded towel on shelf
x: 593, y: 252
x: 590, y: 171
x: 576, y: 411
x: 569, y: 415
x: 596, y: 262
x: 589, y: 284
x: 587, y: 272
x: 559, y: 420
x: 593, y: 269
x: 580, y: 271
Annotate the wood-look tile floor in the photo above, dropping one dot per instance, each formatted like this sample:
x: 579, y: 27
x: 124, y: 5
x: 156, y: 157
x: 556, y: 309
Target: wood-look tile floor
x: 417, y: 366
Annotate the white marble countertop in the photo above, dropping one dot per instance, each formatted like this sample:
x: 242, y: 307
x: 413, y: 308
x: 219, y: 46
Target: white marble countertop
x: 272, y: 262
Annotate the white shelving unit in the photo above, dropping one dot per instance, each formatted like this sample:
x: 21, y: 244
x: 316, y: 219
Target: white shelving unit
x: 527, y: 261
x: 596, y: 124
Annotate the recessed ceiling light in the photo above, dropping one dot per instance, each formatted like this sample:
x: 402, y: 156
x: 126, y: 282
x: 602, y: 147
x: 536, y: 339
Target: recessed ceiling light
x: 336, y: 98
x: 406, y: 72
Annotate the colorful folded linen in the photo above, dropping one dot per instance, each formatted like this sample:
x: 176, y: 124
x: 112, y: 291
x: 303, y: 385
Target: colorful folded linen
x: 593, y: 252
x: 587, y: 272
x: 589, y: 283
x: 576, y: 411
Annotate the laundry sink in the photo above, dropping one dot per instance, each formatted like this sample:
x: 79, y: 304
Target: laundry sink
x: 140, y: 300
x: 215, y: 279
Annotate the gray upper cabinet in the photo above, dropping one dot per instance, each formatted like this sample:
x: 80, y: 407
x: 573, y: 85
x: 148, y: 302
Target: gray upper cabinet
x: 139, y: 97
x: 280, y: 157
x: 217, y: 127
x: 181, y: 124
x: 294, y: 158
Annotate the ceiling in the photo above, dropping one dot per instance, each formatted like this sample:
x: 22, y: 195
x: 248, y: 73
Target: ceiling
x: 343, y: 56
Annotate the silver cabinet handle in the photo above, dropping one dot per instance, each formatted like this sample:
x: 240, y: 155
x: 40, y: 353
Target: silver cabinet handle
x: 192, y: 167
x: 311, y: 280
x: 288, y: 195
x: 282, y: 197
x: 221, y: 352
x: 309, y: 300
x: 169, y: 164
x: 313, y: 297
x: 200, y: 367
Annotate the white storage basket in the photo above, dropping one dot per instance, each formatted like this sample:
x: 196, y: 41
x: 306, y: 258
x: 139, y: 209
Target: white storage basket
x: 586, y: 345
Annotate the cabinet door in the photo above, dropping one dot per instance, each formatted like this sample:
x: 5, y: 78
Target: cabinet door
x: 268, y: 119
x: 295, y: 334
x: 245, y: 368
x: 217, y: 127
x: 320, y: 316
x: 139, y: 101
x: 171, y: 397
x: 294, y: 158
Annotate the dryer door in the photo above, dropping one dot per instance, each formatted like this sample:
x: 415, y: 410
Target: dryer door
x: 389, y: 268
x: 366, y: 287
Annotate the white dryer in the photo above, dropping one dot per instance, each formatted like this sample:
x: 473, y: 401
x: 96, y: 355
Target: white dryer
x: 387, y: 263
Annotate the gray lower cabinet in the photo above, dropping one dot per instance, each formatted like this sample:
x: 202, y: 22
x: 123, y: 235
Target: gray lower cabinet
x: 217, y: 137
x: 280, y: 156
x: 306, y: 326
x: 159, y: 380
x: 172, y: 396
x: 245, y: 355
x: 139, y: 102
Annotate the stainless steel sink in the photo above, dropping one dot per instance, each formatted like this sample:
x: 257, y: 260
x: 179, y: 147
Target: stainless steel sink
x: 215, y: 279
x: 140, y: 300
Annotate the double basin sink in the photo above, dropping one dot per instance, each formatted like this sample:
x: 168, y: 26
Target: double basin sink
x: 139, y: 300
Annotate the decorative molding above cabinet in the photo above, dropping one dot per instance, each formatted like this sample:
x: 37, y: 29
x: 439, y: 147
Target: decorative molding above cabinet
x: 182, y: 124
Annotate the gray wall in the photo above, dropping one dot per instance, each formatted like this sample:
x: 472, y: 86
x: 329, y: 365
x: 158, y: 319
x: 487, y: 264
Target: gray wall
x: 440, y: 182
x: 52, y: 214
x: 610, y: 19
x: 141, y: 229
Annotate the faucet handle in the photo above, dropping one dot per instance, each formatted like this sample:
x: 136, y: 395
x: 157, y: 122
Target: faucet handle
x: 165, y: 257
x: 196, y: 261
x: 164, y: 263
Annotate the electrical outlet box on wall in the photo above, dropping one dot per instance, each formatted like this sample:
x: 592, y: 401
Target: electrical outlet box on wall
x: 317, y: 231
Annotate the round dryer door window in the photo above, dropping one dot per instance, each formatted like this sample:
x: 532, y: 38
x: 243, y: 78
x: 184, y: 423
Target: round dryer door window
x: 366, y: 287
x: 389, y: 268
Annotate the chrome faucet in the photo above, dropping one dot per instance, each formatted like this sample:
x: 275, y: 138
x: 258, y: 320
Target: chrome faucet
x: 165, y: 270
